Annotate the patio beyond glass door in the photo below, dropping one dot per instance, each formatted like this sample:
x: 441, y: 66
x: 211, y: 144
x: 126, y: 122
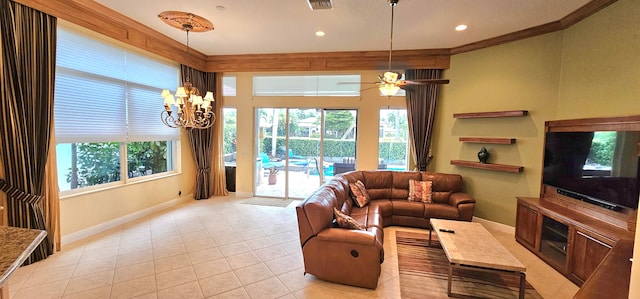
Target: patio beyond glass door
x: 297, y: 148
x: 339, y: 142
x: 288, y: 144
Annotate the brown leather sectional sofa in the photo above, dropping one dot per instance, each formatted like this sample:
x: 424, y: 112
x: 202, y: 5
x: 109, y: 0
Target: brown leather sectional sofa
x: 353, y: 257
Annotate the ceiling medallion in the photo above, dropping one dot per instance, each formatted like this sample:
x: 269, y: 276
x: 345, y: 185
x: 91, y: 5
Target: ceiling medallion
x: 186, y: 21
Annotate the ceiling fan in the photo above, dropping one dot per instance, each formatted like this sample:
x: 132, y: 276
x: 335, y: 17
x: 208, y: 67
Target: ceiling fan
x: 390, y: 82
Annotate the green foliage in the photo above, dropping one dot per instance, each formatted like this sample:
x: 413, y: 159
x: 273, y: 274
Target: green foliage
x: 338, y: 121
x: 309, y: 147
x: 229, y: 131
x: 98, y: 163
x: 602, y: 147
x: 389, y: 150
x: 150, y: 155
x: 229, y: 138
x: 393, y: 150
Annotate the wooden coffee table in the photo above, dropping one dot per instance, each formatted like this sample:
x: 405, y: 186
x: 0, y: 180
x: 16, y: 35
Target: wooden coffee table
x: 470, y: 246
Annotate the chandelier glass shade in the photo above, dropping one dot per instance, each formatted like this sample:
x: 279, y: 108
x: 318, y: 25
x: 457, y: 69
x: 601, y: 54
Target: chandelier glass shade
x: 389, y: 83
x: 193, y: 111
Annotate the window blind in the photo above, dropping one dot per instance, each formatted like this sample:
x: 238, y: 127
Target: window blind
x: 320, y: 85
x: 108, y: 94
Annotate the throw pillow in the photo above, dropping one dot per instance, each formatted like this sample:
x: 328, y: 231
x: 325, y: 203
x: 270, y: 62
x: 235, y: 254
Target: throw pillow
x: 359, y: 194
x: 420, y: 191
x: 345, y: 221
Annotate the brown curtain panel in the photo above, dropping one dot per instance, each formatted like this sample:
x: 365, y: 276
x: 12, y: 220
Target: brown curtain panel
x: 218, y: 174
x: 201, y: 140
x: 51, y: 204
x: 28, y: 39
x: 421, y: 111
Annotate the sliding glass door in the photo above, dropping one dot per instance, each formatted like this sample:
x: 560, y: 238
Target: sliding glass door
x: 297, y: 148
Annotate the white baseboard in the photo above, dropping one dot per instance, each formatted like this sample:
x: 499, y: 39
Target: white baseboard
x: 79, y: 235
x: 495, y: 225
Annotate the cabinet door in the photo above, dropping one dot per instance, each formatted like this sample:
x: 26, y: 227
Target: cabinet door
x: 587, y: 253
x: 526, y: 225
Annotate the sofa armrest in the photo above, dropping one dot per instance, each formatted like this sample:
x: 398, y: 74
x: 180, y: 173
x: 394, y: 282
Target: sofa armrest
x: 342, y: 235
x: 458, y: 198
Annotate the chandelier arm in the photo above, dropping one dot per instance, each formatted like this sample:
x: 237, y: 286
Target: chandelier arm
x: 168, y: 119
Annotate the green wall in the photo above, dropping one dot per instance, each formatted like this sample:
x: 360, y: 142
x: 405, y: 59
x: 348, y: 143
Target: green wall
x: 601, y: 64
x: 521, y: 75
x: 591, y: 69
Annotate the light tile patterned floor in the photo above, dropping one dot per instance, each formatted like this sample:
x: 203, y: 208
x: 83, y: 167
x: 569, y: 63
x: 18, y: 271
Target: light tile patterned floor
x: 217, y: 248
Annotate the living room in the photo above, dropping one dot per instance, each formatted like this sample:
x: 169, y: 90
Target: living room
x: 587, y: 70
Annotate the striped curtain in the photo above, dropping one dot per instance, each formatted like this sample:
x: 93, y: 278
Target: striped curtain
x: 421, y: 111
x: 201, y: 140
x: 28, y: 39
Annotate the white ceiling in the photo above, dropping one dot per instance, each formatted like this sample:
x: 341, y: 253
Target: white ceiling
x: 288, y: 26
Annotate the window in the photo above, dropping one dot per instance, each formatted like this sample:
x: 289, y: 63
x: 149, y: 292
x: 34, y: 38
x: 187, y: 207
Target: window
x: 229, y: 86
x: 393, y: 146
x: 107, y: 107
x: 229, y: 131
x: 309, y: 86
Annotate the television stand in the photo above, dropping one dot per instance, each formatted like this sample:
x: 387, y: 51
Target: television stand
x: 571, y: 242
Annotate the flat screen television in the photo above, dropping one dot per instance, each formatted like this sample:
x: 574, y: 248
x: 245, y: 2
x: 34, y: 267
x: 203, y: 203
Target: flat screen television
x: 597, y: 167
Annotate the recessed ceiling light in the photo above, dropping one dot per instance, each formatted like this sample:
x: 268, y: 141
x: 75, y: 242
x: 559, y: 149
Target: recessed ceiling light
x: 320, y: 33
x: 461, y: 27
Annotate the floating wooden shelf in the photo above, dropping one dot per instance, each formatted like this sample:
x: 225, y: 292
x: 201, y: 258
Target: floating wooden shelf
x: 513, y: 113
x: 488, y: 166
x: 488, y: 140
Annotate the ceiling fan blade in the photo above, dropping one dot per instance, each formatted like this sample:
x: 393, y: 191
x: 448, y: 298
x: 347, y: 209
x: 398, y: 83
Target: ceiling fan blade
x: 372, y: 87
x: 358, y: 83
x: 427, y: 81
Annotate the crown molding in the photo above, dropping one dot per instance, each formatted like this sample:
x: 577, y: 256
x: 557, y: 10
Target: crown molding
x: 103, y: 20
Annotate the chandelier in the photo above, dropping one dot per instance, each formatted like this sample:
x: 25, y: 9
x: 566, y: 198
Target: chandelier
x: 193, y: 110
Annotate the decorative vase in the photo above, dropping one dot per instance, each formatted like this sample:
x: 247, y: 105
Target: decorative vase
x: 273, y: 178
x: 483, y: 155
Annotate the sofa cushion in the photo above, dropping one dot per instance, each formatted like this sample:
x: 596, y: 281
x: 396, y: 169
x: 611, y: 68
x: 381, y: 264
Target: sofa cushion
x: 342, y: 195
x: 441, y: 211
x: 345, y: 221
x: 378, y: 183
x: 317, y: 211
x: 440, y: 196
x: 420, y: 191
x: 402, y: 207
x: 359, y: 194
x: 400, y: 186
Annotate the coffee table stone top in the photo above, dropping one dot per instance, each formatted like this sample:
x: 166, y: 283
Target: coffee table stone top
x: 472, y: 245
x: 16, y: 244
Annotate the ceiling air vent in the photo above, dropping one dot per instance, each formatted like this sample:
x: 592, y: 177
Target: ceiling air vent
x: 320, y: 4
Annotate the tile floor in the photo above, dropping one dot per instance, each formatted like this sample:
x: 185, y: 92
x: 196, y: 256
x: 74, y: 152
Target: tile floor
x: 218, y: 248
